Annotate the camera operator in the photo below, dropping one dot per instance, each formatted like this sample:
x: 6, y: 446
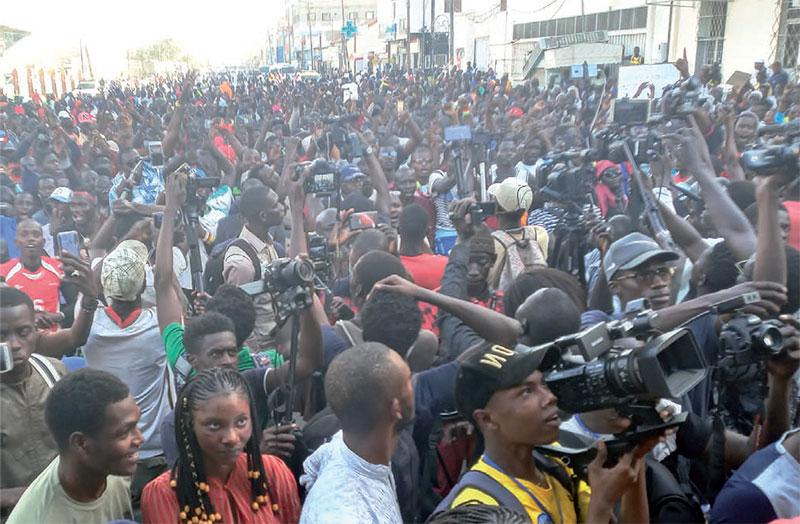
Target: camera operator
x: 170, y: 313
x: 502, y: 393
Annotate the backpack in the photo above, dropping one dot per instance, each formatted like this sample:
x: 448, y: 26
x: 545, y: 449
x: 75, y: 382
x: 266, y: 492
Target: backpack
x: 519, y: 255
x: 45, y: 369
x: 212, y: 275
x: 486, y: 484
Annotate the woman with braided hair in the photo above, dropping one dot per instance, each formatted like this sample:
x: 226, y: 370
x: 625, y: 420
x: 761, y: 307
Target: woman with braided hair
x: 220, y: 475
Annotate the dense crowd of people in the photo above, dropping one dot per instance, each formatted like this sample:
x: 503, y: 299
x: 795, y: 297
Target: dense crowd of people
x: 377, y: 297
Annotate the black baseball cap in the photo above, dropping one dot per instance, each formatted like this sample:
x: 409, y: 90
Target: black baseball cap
x: 632, y: 251
x: 488, y: 368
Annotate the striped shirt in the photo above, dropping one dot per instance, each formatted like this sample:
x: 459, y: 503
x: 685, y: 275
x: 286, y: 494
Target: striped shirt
x: 231, y: 499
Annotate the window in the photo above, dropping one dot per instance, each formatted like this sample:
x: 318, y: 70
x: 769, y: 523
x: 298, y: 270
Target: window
x: 613, y: 20
x: 602, y: 22
x: 503, y: 5
x: 590, y: 22
x: 312, y: 17
x: 626, y: 19
x: 561, y: 26
x: 550, y: 28
x: 710, y: 32
x: 326, y: 17
x: 369, y: 15
x: 535, y: 30
x: 401, y: 26
x: 518, y: 31
x: 353, y: 16
x: 455, y: 3
x: 640, y: 18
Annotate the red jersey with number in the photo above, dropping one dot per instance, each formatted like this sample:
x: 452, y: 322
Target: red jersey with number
x: 41, y: 285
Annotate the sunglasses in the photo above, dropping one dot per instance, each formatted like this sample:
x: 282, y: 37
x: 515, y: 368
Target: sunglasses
x: 647, y: 276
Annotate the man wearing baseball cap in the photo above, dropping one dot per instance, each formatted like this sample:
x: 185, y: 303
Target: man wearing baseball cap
x: 636, y: 267
x: 125, y: 341
x: 502, y: 393
x: 519, y: 248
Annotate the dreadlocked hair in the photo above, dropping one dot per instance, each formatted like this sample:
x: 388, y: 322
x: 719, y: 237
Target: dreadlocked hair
x: 188, y: 477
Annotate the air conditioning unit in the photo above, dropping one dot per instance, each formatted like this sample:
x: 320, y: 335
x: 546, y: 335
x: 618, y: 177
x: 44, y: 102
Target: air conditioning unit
x: 661, y: 52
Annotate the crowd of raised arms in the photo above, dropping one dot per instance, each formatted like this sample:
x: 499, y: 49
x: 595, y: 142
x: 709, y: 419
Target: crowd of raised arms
x: 401, y: 296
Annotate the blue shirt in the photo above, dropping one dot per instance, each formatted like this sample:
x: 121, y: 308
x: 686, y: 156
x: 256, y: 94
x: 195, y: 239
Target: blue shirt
x: 765, y: 488
x: 8, y: 231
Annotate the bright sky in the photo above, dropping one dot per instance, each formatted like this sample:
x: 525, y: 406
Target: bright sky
x: 220, y: 33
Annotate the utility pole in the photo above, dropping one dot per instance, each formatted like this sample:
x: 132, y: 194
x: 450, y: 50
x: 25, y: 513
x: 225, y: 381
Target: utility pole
x: 433, y: 22
x: 345, y: 57
x: 310, y: 39
x: 408, y: 34
x: 451, y: 48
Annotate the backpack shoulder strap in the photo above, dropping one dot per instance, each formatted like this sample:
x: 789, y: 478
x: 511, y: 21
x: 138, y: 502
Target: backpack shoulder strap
x: 250, y: 251
x: 45, y: 368
x: 485, y: 484
x: 351, y: 331
x: 558, y: 471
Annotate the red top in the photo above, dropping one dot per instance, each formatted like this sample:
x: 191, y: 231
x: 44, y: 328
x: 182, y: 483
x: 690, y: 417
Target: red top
x: 160, y: 503
x: 426, y: 269
x: 41, y: 285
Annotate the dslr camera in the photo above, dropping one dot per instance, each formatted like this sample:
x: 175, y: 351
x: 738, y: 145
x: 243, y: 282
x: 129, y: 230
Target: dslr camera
x: 289, y: 281
x: 746, y: 339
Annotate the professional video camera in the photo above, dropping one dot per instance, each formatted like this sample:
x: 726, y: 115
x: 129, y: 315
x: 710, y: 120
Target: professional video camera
x: 289, y: 283
x: 597, y: 371
x: 746, y: 339
x: 682, y: 99
x: 778, y: 158
x: 324, y: 179
x: 644, y: 144
x: 567, y: 176
x: 320, y: 256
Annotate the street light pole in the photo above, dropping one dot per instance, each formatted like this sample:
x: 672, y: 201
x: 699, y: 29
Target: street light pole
x: 310, y: 38
x: 451, y: 48
x: 408, y: 34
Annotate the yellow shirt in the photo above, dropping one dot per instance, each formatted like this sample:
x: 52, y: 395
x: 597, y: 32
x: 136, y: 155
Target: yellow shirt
x: 552, y: 497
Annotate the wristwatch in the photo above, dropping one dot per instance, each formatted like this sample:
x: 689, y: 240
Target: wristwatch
x: 369, y: 150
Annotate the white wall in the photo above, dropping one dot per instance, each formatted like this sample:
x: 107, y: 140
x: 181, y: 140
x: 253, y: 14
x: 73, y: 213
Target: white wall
x: 748, y: 35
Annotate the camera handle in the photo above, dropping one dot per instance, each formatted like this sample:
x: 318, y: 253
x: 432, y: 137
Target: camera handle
x: 660, y: 231
x: 190, y: 220
x: 281, y: 401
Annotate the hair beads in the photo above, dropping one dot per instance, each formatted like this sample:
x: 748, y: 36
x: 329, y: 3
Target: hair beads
x: 188, y: 477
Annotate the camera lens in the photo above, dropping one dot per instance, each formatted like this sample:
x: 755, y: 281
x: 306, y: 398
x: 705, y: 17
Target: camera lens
x: 767, y: 339
x: 297, y: 272
x: 623, y: 377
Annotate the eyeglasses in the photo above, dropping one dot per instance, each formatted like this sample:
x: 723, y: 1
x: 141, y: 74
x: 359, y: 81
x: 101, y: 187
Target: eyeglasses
x: 647, y: 276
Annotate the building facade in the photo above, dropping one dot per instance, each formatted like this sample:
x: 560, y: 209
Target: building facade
x: 524, y: 37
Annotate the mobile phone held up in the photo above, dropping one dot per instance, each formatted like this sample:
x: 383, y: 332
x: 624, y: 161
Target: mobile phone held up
x: 68, y: 241
x: 156, y: 154
x: 6, y: 358
x: 366, y: 220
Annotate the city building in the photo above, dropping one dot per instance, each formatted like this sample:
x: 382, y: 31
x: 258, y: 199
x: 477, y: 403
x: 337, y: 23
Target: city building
x: 319, y: 25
